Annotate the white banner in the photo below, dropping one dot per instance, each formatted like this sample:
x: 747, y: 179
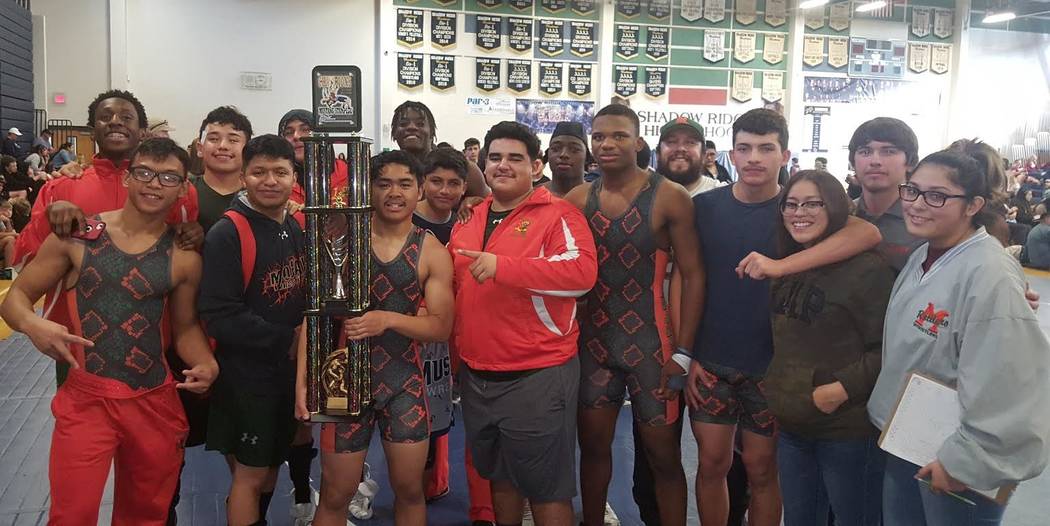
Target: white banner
x: 772, y: 86
x: 920, y: 21
x: 918, y: 57
x: 773, y: 48
x: 714, y: 44
x: 490, y: 106
x: 838, y: 19
x: 714, y: 10
x: 743, y: 85
x: 692, y: 10
x: 838, y: 51
x: 942, y: 23
x: 815, y: 17
x: 746, y: 11
x: 744, y: 46
x: 776, y: 12
x: 940, y: 58
x: 813, y: 50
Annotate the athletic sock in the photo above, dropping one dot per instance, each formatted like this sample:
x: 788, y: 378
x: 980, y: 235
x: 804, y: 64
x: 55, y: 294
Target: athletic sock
x: 264, y: 505
x: 300, y: 457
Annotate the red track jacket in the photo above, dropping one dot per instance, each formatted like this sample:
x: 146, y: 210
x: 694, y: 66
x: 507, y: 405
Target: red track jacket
x: 525, y: 318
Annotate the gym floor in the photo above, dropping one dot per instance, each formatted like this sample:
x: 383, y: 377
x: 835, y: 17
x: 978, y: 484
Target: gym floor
x: 27, y: 385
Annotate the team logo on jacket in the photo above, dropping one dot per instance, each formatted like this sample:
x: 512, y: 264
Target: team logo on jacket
x: 930, y: 320
x: 523, y: 227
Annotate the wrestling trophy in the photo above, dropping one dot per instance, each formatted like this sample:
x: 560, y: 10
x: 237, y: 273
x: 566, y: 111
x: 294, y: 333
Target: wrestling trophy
x: 338, y: 248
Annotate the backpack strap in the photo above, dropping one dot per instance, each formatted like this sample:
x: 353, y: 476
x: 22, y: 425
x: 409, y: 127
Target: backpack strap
x: 247, y: 238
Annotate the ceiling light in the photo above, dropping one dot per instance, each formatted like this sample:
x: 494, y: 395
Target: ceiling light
x: 871, y: 6
x: 810, y: 4
x: 994, y: 17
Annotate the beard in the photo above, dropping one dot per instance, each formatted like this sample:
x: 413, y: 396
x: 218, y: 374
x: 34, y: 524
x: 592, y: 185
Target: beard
x: 684, y: 178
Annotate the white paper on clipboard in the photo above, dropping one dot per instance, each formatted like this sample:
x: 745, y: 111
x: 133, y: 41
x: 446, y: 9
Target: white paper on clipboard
x: 926, y: 415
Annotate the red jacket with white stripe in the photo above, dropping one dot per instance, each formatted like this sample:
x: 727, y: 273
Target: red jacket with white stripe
x: 524, y: 318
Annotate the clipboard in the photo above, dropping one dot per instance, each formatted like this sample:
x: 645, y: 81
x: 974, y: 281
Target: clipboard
x: 925, y: 415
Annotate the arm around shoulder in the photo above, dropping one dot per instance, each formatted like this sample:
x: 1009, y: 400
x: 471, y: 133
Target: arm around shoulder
x: 568, y: 266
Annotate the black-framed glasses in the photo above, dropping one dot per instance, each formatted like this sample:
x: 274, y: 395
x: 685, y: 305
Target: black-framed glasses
x: 933, y: 198
x: 145, y: 175
x: 809, y: 207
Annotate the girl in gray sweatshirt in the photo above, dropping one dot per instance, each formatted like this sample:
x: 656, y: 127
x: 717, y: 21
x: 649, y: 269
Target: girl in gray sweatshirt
x: 958, y: 314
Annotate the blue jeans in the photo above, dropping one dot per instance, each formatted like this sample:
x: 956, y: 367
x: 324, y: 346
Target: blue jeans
x: 843, y: 474
x: 907, y: 502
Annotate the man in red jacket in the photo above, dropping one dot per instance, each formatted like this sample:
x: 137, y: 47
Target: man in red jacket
x: 117, y: 119
x: 519, y: 264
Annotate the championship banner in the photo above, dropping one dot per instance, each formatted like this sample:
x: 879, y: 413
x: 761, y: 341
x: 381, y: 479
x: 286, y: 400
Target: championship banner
x: 519, y: 34
x: 628, y: 8
x: 520, y: 5
x: 626, y: 80
x: 552, y: 35
x: 773, y: 48
x: 550, y: 78
x: 583, y: 7
x: 580, y: 79
x: 519, y: 75
x: 743, y: 85
x: 838, y: 17
x: 581, y: 41
x: 838, y: 51
x: 489, y: 4
x: 714, y: 44
x: 442, y: 72
x: 656, y: 40
x: 942, y: 23
x: 655, y: 81
x: 918, y: 57
x: 940, y: 58
x: 659, y: 9
x: 744, y: 46
x: 446, y: 3
x: 813, y: 50
x: 409, y: 70
x: 442, y: 29
x: 488, y: 35
x: 553, y: 6
x: 714, y: 10
x: 410, y: 27
x: 776, y: 12
x: 626, y: 44
x: 772, y: 86
x: 814, y: 18
x: 921, y: 21
x: 692, y: 10
x: 746, y: 11
x: 486, y: 73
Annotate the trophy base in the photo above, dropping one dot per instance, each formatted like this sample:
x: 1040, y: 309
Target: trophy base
x: 336, y: 416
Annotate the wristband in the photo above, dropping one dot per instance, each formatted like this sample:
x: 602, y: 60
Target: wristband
x: 683, y: 358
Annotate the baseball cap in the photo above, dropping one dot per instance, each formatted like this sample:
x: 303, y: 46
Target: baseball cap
x: 159, y: 125
x: 15, y: 131
x: 572, y: 129
x: 682, y: 122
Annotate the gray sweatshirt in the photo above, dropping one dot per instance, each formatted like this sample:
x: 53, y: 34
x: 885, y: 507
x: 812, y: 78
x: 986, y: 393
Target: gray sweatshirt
x: 966, y: 323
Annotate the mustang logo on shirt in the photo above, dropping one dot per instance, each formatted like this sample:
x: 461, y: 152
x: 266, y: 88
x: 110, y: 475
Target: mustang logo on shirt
x: 932, y: 317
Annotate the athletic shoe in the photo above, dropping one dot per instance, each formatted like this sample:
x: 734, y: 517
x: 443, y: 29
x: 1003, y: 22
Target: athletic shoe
x: 303, y: 514
x: 361, y: 504
x: 442, y: 494
x: 610, y: 516
x: 526, y: 514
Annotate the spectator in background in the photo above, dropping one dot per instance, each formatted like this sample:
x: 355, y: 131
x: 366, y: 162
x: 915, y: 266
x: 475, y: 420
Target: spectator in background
x: 37, y: 161
x: 711, y: 165
x: 853, y: 188
x: 158, y: 128
x: 10, y: 144
x: 472, y: 149
x: 43, y: 140
x: 592, y: 170
x: 820, y: 163
x: 196, y: 161
x: 794, y: 167
x: 63, y: 156
x: 8, y: 234
x: 1020, y: 208
x: 1036, y: 252
x: 444, y: 144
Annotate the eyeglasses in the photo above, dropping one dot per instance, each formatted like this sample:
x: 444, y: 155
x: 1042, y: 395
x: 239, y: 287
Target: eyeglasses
x: 145, y: 175
x: 809, y: 207
x: 933, y: 198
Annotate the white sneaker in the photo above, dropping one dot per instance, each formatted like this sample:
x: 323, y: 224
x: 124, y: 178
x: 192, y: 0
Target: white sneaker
x: 610, y: 516
x: 361, y: 504
x: 526, y: 515
x: 303, y: 514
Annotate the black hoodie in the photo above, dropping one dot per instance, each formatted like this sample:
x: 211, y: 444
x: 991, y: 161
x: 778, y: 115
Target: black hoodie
x: 254, y: 327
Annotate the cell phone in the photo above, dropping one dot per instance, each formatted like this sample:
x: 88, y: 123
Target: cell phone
x: 90, y: 230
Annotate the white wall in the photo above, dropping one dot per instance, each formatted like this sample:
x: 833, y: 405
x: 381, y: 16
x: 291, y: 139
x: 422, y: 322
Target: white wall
x: 184, y: 58
x: 76, y: 40
x: 1005, y: 86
